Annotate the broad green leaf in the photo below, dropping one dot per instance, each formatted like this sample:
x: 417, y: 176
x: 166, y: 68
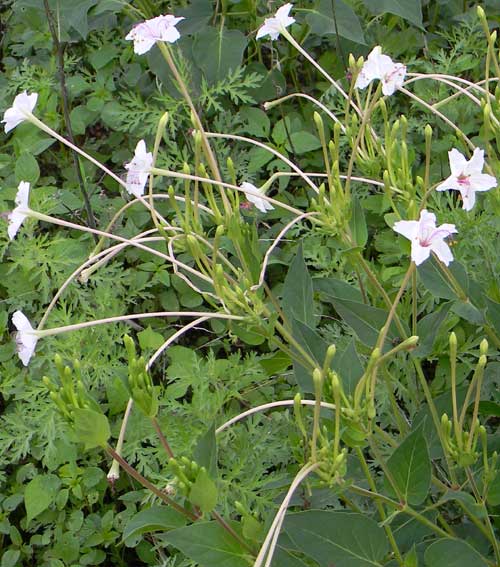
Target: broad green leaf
x: 469, y: 312
x: 196, y: 15
x: 365, y: 320
x: 332, y: 16
x: 208, y: 544
x: 449, y: 552
x: 218, y: 51
x: 149, y: 339
x: 273, y: 82
x: 26, y: 168
x: 39, y: 494
x: 315, y: 346
x: 342, y: 539
x: 493, y: 497
x: 410, y: 468
x: 408, y: 530
x: 476, y: 509
x: 70, y: 15
x: 423, y: 418
x: 203, y: 493
x: 205, y: 453
x: 493, y: 313
x: 428, y: 329
x: 10, y: 558
x: 348, y: 366
x: 256, y: 122
x: 433, y: 278
x: 337, y: 289
x: 298, y: 301
x: 410, y: 10
x: 91, y: 428
x: 358, y: 223
x: 302, y: 142
x: 156, y: 518
x: 248, y: 334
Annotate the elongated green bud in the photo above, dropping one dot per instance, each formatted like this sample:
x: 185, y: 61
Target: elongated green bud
x: 483, y: 347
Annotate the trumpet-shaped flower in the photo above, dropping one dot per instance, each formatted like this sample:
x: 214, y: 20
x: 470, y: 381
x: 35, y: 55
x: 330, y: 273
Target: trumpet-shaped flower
x: 426, y: 237
x: 275, y: 25
x: 382, y: 67
x: 138, y: 170
x: 467, y: 177
x: 252, y: 194
x: 21, y: 110
x: 146, y: 34
x: 26, y: 337
x: 17, y: 216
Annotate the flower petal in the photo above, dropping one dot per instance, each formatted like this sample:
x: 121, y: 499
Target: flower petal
x: 419, y: 253
x: 26, y: 337
x: 458, y: 163
x: 442, y: 251
x: 409, y: 229
x: 17, y: 216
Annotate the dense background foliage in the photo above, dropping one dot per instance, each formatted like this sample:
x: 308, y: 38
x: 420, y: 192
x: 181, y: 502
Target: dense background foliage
x: 56, y: 507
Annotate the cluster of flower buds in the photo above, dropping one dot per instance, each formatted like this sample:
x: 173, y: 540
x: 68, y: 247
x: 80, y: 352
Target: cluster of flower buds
x: 194, y: 482
x: 71, y: 394
x: 140, y: 384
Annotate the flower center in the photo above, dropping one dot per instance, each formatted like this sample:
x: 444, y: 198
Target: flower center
x: 463, y: 180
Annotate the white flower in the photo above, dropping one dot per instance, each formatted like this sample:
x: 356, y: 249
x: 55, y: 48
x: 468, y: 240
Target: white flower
x: 21, y: 110
x: 466, y: 176
x: 274, y: 26
x: 426, y: 237
x: 252, y: 194
x: 26, y: 337
x: 17, y: 216
x: 138, y: 170
x: 146, y: 34
x: 382, y: 67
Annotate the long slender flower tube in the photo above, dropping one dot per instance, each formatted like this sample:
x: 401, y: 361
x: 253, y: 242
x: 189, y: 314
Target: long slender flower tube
x: 27, y: 337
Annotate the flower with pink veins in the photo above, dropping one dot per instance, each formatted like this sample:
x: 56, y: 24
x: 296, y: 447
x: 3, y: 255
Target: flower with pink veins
x: 275, y: 25
x: 146, y: 34
x: 426, y: 237
x: 382, y: 67
x: 467, y: 177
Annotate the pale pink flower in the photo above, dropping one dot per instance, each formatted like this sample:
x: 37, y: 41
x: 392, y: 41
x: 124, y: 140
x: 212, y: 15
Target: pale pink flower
x: 26, y: 337
x: 426, y: 237
x: 252, y: 194
x: 17, y: 216
x: 138, y: 170
x: 275, y: 25
x: 467, y: 177
x: 382, y: 67
x: 21, y: 110
x: 146, y: 34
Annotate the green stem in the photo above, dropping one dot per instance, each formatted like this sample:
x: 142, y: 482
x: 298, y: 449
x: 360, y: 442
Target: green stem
x: 378, y: 505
